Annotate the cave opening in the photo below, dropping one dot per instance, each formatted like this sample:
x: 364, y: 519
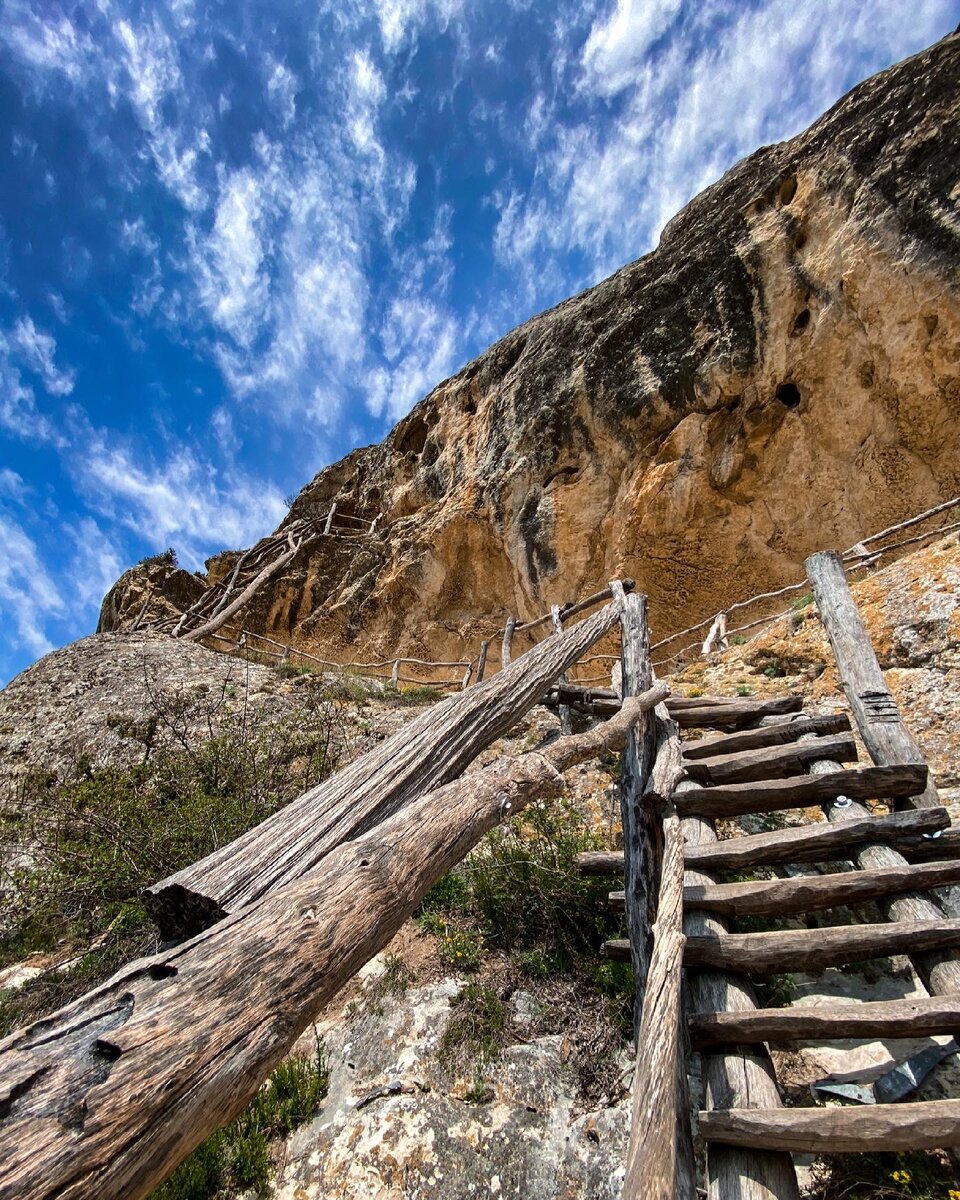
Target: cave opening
x: 800, y: 321
x: 789, y: 395
x: 788, y: 189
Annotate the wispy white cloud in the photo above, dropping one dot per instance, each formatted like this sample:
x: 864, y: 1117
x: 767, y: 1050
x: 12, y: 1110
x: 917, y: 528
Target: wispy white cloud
x: 37, y: 349
x: 96, y: 564
x: 28, y: 595
x: 19, y: 414
x: 620, y: 40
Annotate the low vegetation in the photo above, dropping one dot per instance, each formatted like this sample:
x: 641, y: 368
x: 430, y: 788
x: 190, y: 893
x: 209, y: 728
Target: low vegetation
x: 911, y: 1176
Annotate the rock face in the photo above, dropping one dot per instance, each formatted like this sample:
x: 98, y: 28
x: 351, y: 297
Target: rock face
x: 781, y: 374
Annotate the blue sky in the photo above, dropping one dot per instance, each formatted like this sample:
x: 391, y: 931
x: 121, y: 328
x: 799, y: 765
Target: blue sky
x: 239, y: 239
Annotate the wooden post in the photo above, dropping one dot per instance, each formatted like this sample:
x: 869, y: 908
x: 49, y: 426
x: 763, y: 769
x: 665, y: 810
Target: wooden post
x: 881, y: 727
x: 507, y: 642
x: 640, y: 830
x: 329, y: 522
x: 566, y: 726
x: 466, y: 677
x: 395, y: 673
x: 482, y: 661
x: 716, y: 639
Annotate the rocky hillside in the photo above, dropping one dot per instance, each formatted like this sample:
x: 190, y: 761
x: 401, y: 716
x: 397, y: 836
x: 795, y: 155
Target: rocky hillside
x: 781, y: 374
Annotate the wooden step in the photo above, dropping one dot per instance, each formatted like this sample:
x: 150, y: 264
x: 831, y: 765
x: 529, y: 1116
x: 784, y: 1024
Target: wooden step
x: 808, y: 893
x: 771, y: 762
x: 925, y: 1125
x: 801, y: 843
x: 807, y: 791
x: 813, y: 949
x: 922, y: 849
x: 769, y: 735
x: 811, y: 843
x: 926, y: 1016
x: 730, y: 714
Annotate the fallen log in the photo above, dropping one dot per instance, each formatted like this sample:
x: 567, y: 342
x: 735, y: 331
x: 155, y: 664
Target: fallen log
x: 769, y: 735
x: 926, y: 1016
x: 431, y: 750
x: 812, y: 843
x: 773, y: 795
x: 925, y: 1125
x: 106, y: 1096
x: 814, y: 949
x: 771, y: 762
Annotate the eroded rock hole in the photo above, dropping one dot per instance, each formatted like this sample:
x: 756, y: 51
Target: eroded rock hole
x: 788, y: 189
x: 801, y: 239
x: 414, y: 437
x: 800, y: 322
x: 788, y: 394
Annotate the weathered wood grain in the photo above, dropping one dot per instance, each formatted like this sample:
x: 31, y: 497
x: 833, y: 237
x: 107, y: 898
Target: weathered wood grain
x: 814, y: 949
x: 926, y: 1016
x: 772, y: 795
x: 808, y: 893
x: 430, y: 750
x: 769, y: 735
x: 736, y: 1076
x: 659, y: 1156
x: 886, y: 737
x: 812, y: 843
x: 104, y: 1097
x: 730, y: 714
x: 925, y: 1125
x: 771, y: 762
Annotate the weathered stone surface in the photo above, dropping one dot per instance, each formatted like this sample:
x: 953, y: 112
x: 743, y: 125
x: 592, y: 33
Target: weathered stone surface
x: 780, y: 375
x: 397, y: 1124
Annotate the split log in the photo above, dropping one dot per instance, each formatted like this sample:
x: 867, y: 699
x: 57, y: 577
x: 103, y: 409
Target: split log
x: 879, y: 723
x: 809, y: 893
x: 927, y: 1016
x: 105, y: 1097
x: 773, y: 795
x: 812, y: 843
x: 505, y: 648
x: 769, y: 735
x: 660, y: 1154
x: 566, y: 727
x: 739, y: 1075
x: 926, y: 1125
x: 772, y: 762
x: 482, y: 661
x: 814, y: 949
x: 432, y: 749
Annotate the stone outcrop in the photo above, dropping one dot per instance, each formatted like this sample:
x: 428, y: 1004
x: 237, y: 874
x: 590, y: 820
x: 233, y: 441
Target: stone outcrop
x: 781, y: 374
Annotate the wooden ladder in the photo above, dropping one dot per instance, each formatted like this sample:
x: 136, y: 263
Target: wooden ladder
x: 771, y: 757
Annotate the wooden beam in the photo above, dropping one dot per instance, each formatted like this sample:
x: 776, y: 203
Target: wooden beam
x: 737, y: 1075
x: 921, y: 849
x: 106, y: 1096
x: 639, y: 825
x: 482, y: 661
x: 769, y: 735
x: 506, y: 645
x: 814, y: 949
x: 773, y: 795
x: 430, y: 750
x: 886, y: 737
x: 927, y: 1016
x: 566, y: 726
x: 812, y: 843
x: 925, y: 1125
x: 600, y: 862
x: 730, y: 714
x: 660, y: 1153
x: 809, y: 893
x: 772, y: 762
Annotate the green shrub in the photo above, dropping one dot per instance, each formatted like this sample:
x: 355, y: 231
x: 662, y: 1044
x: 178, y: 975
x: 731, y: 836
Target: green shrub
x: 744, y: 689
x: 166, y: 558
x: 917, y: 1175
x: 476, y: 1027
x: 461, y: 949
x: 238, y: 1157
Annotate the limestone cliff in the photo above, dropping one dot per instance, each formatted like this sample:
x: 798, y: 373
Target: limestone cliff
x: 781, y: 374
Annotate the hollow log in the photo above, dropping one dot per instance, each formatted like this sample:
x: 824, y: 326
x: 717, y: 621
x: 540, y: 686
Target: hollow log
x: 926, y: 1125
x: 772, y: 795
x: 430, y: 750
x: 106, y: 1096
x: 927, y: 1016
